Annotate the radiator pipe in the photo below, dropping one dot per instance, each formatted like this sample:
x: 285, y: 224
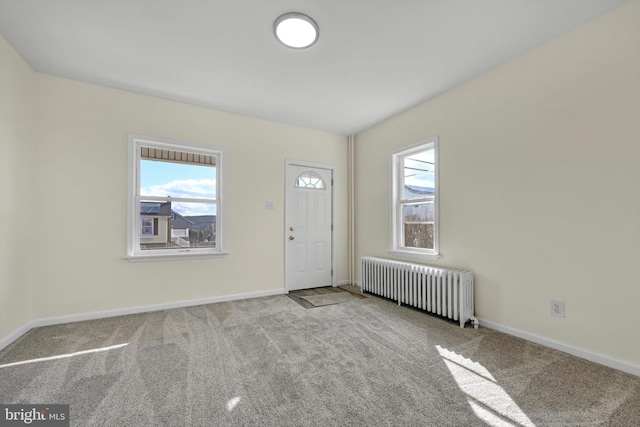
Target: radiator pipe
x: 351, y: 208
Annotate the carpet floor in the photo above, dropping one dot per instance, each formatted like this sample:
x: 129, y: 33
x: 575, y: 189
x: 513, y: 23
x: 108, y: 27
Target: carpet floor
x: 270, y: 362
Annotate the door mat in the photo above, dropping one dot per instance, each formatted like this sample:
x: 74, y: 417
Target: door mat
x: 330, y: 298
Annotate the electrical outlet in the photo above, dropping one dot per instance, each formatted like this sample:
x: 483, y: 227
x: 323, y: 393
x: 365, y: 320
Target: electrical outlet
x: 268, y: 205
x: 557, y: 308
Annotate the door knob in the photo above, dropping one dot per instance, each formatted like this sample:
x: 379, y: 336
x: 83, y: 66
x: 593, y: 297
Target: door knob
x: 291, y: 237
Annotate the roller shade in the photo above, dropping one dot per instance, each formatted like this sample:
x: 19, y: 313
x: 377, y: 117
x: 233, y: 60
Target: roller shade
x: 177, y: 156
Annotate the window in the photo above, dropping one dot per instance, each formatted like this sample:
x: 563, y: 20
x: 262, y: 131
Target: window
x: 414, y: 217
x: 310, y: 179
x: 147, y: 226
x: 175, y: 204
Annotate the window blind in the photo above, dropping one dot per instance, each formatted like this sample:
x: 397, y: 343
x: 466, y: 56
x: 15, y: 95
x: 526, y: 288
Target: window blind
x: 177, y: 156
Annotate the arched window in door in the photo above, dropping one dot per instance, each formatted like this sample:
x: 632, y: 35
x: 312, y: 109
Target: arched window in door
x: 310, y: 180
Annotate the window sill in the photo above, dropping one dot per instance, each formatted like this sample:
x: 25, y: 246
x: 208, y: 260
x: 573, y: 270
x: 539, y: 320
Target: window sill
x: 415, y: 255
x: 173, y: 257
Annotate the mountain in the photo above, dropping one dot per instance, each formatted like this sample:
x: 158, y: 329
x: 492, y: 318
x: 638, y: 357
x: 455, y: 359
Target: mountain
x: 202, y: 221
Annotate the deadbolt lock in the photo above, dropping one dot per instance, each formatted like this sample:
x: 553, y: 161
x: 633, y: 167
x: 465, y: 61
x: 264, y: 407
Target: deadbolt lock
x: 290, y: 228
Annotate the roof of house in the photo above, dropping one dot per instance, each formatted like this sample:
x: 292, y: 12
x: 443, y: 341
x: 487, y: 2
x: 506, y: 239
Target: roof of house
x: 155, y: 208
x: 179, y: 221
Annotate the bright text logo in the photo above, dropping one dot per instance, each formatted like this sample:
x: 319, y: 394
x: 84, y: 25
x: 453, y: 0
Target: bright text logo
x: 36, y: 415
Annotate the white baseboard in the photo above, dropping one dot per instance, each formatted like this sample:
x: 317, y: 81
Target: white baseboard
x: 611, y: 362
x: 343, y: 282
x: 47, y: 321
x: 15, y: 335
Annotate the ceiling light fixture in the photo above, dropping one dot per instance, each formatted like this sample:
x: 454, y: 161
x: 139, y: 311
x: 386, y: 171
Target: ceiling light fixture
x: 296, y: 30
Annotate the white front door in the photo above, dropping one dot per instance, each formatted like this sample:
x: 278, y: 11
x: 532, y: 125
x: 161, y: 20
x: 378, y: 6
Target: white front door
x: 308, y: 231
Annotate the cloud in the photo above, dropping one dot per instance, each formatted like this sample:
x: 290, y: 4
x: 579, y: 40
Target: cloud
x: 183, y: 188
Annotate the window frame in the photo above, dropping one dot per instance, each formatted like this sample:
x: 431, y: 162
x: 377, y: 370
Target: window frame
x: 397, y: 203
x: 134, y: 218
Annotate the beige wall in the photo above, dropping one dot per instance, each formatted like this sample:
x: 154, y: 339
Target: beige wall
x: 540, y: 185
x: 76, y: 152
x: 81, y: 157
x: 16, y: 188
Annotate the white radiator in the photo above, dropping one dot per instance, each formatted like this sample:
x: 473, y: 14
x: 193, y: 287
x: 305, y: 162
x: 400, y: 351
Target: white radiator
x: 442, y: 291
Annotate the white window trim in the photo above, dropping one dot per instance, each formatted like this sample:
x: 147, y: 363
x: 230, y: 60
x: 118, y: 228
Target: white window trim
x: 396, y: 215
x: 134, y: 254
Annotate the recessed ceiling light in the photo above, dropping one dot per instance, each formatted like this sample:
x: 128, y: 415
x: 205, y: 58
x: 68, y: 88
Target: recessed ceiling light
x: 296, y: 30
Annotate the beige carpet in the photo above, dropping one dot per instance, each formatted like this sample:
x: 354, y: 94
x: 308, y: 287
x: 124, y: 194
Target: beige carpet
x: 270, y: 362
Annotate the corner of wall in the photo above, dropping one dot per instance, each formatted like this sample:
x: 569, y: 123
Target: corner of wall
x: 17, y: 138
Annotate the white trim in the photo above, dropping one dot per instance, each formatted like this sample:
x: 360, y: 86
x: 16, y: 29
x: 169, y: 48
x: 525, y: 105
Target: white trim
x: 48, y: 321
x: 133, y: 250
x: 611, y: 362
x: 621, y: 365
x: 414, y: 255
x: 334, y: 249
x: 13, y: 336
x: 343, y: 282
x: 175, y: 256
x: 309, y: 164
x: 351, y: 207
x: 177, y: 199
x: 397, y: 188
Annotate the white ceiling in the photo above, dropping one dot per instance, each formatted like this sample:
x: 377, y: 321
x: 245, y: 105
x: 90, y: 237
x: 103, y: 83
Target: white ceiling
x: 374, y: 58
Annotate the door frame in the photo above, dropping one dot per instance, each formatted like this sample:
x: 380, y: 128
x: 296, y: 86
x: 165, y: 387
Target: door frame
x: 332, y: 169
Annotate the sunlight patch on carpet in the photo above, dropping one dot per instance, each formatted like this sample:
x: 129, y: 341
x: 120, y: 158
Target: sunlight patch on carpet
x: 231, y: 404
x: 64, y: 356
x: 490, y: 402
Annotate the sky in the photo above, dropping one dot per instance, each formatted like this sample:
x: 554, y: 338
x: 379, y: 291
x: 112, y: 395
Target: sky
x: 180, y: 180
x: 421, y: 169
